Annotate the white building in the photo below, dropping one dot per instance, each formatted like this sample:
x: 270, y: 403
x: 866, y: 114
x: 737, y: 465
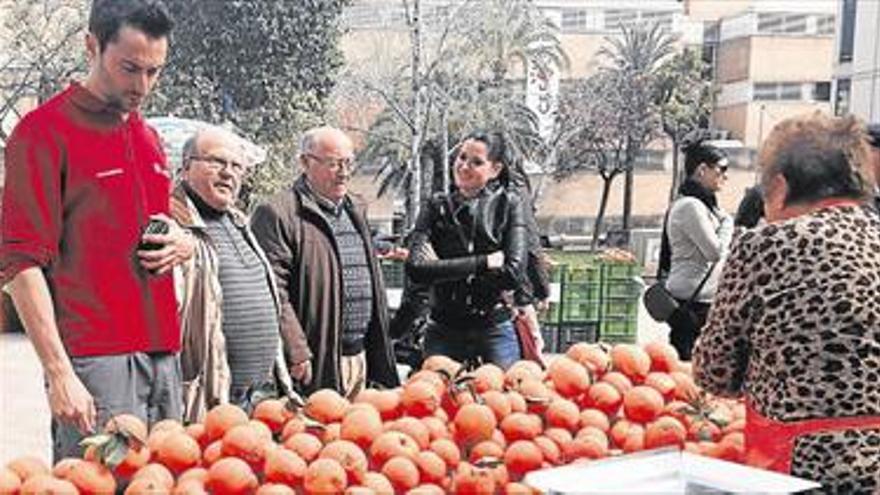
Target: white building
x: 857, y: 59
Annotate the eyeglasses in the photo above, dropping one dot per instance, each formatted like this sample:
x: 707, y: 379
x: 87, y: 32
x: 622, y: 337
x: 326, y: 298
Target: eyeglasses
x: 720, y: 168
x: 216, y: 164
x: 335, y: 164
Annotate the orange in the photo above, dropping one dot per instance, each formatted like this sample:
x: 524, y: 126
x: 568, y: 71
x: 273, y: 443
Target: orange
x: 662, y: 383
x: 212, y: 453
x: 522, y: 456
x: 631, y: 360
x: 642, y: 404
x: 156, y: 472
x: 521, y: 426
x: 273, y: 413
x: 620, y: 381
x: 361, y: 425
x: 305, y: 445
x: 378, y: 483
x: 604, y: 397
x: 178, y: 452
x: 663, y: 356
x: 350, y: 457
x: 432, y: 467
x: 666, y: 430
x: 499, y: 403
x: 473, y: 480
x: 284, y: 466
x: 325, y: 476
x: 221, y: 419
x: 326, y: 406
x: 562, y: 413
x: 591, y: 356
x: 448, y: 451
x: 551, y: 451
x: 419, y: 398
x: 387, y: 402
x: 402, y: 472
x: 594, y: 417
x: 474, y: 423
x: 488, y: 377
x: 147, y: 485
x: 245, y: 442
x: 26, y: 466
x: 9, y: 481
x: 390, y: 444
x: 486, y: 449
x: 438, y: 362
x: 189, y: 487
x: 43, y: 484
x: 91, y: 478
x: 569, y: 377
x: 414, y: 428
x: 275, y: 489
x: 231, y: 476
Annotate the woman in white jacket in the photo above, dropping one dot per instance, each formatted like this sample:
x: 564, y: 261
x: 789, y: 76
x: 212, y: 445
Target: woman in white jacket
x: 697, y: 234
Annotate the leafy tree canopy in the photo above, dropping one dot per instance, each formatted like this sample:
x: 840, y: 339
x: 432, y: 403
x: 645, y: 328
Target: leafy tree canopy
x: 265, y: 66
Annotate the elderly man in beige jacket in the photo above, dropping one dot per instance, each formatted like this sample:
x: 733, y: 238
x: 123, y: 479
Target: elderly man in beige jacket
x: 228, y: 301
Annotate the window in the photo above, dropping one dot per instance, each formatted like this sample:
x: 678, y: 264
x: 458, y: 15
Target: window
x: 770, y: 23
x: 825, y: 25
x: 574, y: 20
x: 616, y: 18
x: 772, y: 91
x: 822, y: 91
x: 847, y: 31
x: 790, y: 91
x: 841, y: 99
x: 765, y: 91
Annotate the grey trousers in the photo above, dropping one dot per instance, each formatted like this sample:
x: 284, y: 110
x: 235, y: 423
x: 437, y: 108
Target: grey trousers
x: 145, y: 385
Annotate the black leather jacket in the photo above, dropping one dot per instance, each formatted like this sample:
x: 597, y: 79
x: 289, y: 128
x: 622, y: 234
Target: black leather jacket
x: 449, y: 249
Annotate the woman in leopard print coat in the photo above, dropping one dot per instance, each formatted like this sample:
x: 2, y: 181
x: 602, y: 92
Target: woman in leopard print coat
x: 795, y: 328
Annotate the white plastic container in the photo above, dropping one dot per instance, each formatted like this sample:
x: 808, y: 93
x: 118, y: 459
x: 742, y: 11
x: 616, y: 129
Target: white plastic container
x: 667, y: 471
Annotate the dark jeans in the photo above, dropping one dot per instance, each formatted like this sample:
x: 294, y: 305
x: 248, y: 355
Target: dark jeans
x: 686, y: 323
x: 496, y: 344
x: 145, y: 385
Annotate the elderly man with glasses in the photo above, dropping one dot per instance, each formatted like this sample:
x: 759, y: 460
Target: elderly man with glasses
x: 229, y: 306
x: 334, y: 315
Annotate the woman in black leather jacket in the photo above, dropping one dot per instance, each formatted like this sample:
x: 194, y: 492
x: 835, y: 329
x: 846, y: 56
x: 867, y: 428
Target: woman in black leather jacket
x: 470, y: 247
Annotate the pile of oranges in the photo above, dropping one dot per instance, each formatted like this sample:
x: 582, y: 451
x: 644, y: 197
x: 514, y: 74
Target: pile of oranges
x: 446, y: 430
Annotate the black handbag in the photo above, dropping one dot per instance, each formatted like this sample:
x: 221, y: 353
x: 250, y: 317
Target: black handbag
x: 659, y: 302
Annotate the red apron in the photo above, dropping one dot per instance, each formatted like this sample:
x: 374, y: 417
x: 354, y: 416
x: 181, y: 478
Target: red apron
x: 770, y: 444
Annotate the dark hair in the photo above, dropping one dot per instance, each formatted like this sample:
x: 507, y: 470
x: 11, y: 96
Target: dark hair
x: 107, y: 17
x: 497, y: 150
x: 701, y: 152
x: 819, y: 156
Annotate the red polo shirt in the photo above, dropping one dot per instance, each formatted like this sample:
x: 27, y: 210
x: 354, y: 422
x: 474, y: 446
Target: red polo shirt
x: 81, y: 183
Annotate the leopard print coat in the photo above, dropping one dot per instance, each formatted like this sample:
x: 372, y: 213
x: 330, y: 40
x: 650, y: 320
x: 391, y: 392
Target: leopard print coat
x: 795, y: 326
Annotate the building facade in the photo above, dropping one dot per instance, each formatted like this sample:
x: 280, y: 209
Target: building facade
x: 857, y: 60
x: 771, y: 61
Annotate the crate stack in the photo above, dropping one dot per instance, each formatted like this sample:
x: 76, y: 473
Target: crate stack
x: 592, y: 302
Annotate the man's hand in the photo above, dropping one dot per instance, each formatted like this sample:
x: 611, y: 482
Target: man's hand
x: 177, y: 246
x: 495, y: 260
x: 72, y: 403
x: 302, y: 372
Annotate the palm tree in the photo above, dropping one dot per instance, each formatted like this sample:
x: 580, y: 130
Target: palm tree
x: 634, y: 59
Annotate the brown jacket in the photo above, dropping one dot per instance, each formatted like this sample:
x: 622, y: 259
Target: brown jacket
x: 299, y: 243
x: 204, y: 369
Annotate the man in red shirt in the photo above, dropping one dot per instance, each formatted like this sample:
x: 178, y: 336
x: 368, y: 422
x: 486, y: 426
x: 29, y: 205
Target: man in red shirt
x: 84, y: 176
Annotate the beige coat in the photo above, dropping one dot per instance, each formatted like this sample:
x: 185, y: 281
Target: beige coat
x: 204, y: 369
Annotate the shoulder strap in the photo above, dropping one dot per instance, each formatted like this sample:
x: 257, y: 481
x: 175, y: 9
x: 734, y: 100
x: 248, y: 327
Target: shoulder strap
x: 702, y: 283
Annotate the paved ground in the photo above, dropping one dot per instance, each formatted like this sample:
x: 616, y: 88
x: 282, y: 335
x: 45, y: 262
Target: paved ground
x: 24, y: 413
